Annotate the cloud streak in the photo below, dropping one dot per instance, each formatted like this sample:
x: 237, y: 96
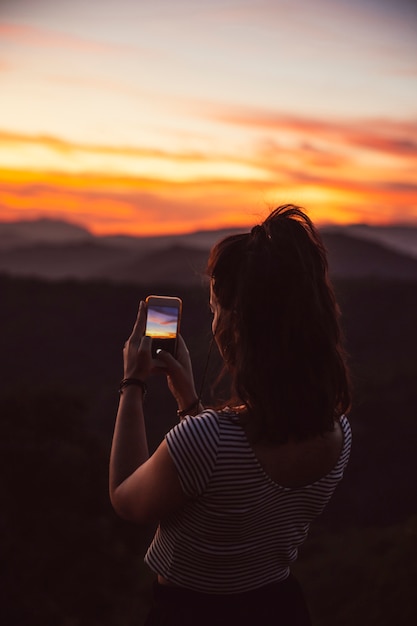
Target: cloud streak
x: 388, y: 136
x: 70, y: 147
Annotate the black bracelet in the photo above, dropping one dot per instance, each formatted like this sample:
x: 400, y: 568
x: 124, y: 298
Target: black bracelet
x: 132, y: 381
x: 188, y: 410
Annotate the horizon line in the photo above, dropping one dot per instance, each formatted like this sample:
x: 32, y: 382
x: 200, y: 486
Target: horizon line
x: 321, y: 225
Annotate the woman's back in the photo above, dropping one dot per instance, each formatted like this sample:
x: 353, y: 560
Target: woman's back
x: 297, y: 463
x: 241, y: 528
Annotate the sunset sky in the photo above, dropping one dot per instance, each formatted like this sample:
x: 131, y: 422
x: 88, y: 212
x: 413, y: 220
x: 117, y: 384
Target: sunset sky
x: 164, y: 116
x: 162, y: 321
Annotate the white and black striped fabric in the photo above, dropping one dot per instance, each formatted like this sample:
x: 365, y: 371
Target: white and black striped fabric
x: 239, y: 530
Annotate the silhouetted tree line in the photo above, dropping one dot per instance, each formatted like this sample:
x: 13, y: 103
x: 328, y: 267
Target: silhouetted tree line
x: 67, y: 560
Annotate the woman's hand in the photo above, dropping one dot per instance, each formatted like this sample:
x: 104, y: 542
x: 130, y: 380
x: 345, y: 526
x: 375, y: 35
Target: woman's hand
x: 137, y: 357
x: 179, y: 373
x: 138, y: 362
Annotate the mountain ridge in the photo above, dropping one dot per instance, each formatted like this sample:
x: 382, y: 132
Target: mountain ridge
x: 56, y: 250
x: 401, y: 237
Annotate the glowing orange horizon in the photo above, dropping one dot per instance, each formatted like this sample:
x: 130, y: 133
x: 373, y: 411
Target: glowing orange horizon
x: 341, y: 173
x: 131, y: 206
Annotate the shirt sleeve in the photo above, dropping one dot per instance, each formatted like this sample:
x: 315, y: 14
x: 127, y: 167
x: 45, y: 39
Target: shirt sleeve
x: 347, y: 441
x: 193, y: 445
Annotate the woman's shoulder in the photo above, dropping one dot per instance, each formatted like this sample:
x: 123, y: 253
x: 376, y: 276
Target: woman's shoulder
x: 204, y: 423
x: 232, y: 415
x: 207, y: 415
x: 214, y: 423
x: 193, y: 445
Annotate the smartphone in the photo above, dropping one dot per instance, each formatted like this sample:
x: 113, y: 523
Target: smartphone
x: 163, y: 317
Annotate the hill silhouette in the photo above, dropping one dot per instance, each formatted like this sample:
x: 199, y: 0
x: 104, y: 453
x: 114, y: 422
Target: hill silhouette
x: 28, y: 232
x: 175, y: 265
x: 56, y: 261
x: 56, y: 251
x: 354, y: 257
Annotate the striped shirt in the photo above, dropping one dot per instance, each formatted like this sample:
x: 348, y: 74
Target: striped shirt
x: 239, y: 530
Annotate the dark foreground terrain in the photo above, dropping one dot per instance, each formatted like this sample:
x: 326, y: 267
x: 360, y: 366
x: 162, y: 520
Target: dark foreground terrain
x: 67, y: 560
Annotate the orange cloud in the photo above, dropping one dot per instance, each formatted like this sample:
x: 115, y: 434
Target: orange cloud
x: 62, y: 145
x: 141, y: 206
x: 398, y: 138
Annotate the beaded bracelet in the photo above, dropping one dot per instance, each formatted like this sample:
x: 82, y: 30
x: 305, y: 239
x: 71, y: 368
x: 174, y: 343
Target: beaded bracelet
x: 132, y: 381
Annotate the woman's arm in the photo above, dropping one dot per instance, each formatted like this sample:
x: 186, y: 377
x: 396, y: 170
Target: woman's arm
x: 144, y: 489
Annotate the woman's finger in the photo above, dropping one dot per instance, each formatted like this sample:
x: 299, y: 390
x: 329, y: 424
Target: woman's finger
x: 145, y: 345
x: 166, y: 360
x: 138, y: 357
x: 140, y: 324
x: 183, y: 355
x: 181, y: 346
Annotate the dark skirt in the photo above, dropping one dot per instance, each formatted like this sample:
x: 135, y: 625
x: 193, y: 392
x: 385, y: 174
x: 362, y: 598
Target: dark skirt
x: 277, y: 604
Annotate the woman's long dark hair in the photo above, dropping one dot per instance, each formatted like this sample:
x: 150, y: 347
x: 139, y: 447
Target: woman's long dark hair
x: 279, y: 326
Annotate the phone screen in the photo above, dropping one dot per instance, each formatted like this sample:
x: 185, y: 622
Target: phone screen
x: 162, y: 325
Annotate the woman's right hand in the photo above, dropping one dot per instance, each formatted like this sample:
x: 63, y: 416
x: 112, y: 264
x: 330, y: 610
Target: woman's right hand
x: 179, y: 373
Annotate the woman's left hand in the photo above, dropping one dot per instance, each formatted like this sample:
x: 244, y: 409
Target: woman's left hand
x: 179, y: 374
x: 137, y: 356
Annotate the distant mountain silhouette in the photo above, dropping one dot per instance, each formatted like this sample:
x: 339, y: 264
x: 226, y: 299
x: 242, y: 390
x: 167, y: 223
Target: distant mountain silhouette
x: 82, y: 260
x: 352, y: 257
x: 175, y: 264
x: 56, y: 250
x: 30, y: 232
x: 202, y: 240
x: 397, y: 237
x: 19, y: 234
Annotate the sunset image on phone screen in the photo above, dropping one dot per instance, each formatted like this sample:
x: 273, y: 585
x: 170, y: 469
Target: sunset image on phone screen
x: 162, y: 322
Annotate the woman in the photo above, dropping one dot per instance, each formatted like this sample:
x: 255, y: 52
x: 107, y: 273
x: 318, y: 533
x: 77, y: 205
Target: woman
x: 234, y: 490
